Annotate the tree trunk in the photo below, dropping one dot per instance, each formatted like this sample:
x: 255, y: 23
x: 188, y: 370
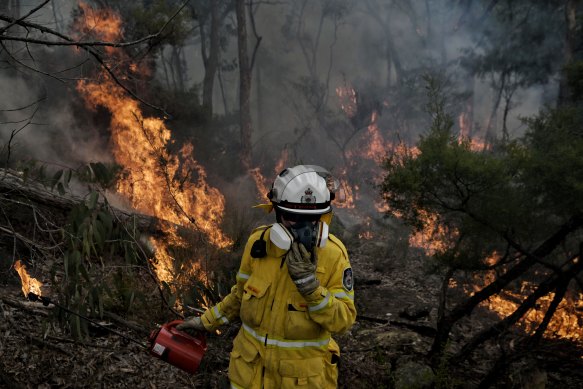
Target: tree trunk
x: 178, y: 69
x: 244, y: 86
x: 570, y: 34
x: 211, y: 62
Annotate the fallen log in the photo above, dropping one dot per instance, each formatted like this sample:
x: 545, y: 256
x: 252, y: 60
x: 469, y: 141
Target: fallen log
x: 29, y: 192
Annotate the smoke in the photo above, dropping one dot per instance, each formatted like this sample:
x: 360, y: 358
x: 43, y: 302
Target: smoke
x: 308, y: 49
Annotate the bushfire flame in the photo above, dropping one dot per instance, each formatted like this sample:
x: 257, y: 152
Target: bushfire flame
x: 157, y: 183
x: 29, y: 284
x: 261, y: 182
x: 566, y: 323
x: 434, y: 237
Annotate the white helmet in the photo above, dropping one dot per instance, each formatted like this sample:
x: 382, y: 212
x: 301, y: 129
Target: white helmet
x: 303, y: 189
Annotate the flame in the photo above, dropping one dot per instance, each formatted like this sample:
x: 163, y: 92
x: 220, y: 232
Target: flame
x: 29, y: 284
x: 566, y: 323
x: 434, y: 237
x: 377, y: 148
x: 103, y: 23
x: 170, y: 187
x: 347, y: 98
x: 345, y: 198
x: 282, y: 161
x: 260, y: 183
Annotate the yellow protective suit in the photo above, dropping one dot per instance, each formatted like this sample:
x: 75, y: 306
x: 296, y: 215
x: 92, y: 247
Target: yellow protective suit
x: 285, y: 338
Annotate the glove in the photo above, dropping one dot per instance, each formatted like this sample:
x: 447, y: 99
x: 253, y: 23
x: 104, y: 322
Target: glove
x: 301, y: 266
x: 191, y: 325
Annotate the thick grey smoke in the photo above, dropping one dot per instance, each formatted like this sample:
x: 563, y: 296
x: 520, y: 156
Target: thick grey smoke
x: 308, y: 50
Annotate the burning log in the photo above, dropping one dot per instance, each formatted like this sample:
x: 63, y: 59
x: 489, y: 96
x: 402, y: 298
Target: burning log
x: 14, y: 185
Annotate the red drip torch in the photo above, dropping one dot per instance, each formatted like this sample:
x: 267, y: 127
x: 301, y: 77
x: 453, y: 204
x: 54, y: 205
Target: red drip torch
x: 167, y: 343
x: 178, y: 348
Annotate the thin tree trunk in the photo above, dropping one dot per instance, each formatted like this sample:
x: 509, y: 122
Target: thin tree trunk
x: 244, y: 85
x: 224, y: 97
x: 211, y: 62
x: 571, y: 22
x: 178, y: 69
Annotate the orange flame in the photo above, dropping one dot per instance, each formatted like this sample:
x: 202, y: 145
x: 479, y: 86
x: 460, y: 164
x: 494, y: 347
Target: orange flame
x: 377, y: 149
x: 170, y: 187
x: 347, y: 98
x: 260, y: 183
x: 434, y: 237
x: 282, y: 161
x: 345, y: 198
x: 29, y: 284
x: 566, y: 323
x: 103, y: 23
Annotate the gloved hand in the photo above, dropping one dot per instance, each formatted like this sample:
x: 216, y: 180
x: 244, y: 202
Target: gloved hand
x: 191, y: 325
x: 301, y: 265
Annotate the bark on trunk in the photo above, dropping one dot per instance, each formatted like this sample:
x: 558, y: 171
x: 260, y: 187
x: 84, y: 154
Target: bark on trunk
x: 571, y: 23
x: 244, y: 86
x: 211, y: 61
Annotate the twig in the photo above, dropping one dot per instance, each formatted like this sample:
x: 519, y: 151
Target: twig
x: 88, y: 46
x: 31, y: 338
x: 24, y: 17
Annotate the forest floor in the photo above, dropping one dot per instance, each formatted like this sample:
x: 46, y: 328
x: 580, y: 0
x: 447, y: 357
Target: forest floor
x: 396, y: 299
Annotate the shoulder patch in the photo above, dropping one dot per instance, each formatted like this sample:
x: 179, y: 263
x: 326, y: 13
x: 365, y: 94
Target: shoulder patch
x: 347, y: 279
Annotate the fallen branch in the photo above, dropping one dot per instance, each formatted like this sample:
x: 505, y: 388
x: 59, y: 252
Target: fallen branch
x: 131, y: 325
x: 420, y: 329
x: 31, y: 308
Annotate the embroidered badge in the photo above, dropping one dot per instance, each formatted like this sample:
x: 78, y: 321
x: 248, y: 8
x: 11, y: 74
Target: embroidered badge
x: 309, y: 198
x: 347, y: 281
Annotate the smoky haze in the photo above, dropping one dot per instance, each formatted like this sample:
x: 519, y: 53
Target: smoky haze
x: 308, y: 50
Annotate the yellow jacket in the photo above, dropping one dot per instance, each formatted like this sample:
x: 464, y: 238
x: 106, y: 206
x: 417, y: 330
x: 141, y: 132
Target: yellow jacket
x: 285, y: 338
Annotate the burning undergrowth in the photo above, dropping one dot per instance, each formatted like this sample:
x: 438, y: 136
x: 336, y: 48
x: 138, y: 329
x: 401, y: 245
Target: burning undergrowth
x: 164, y: 180
x: 171, y: 187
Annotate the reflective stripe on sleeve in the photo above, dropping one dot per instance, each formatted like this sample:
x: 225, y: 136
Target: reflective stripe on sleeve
x: 242, y: 276
x: 322, y: 304
x: 283, y: 343
x: 218, y: 316
x: 343, y: 295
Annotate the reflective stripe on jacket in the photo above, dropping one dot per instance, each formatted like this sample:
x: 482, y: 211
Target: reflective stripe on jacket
x: 285, y: 338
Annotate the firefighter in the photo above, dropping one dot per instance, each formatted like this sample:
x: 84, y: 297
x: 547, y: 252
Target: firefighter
x: 294, y: 290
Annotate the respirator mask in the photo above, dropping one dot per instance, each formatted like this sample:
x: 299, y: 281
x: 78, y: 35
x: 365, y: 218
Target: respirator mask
x: 305, y: 229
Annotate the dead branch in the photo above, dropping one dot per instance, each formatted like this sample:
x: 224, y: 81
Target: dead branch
x: 466, y: 307
x: 125, y: 323
x: 554, y: 282
x: 28, y: 307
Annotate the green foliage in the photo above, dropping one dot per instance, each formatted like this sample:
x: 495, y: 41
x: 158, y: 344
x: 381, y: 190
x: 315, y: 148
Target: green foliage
x: 523, y: 188
x: 92, y: 238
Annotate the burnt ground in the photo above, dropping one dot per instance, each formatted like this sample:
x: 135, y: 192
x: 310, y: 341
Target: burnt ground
x: 396, y: 298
